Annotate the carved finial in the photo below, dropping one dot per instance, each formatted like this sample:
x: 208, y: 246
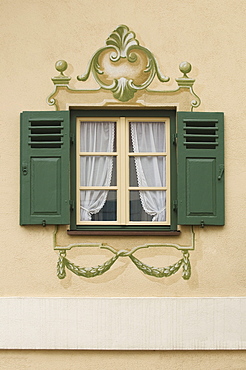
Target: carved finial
x: 61, y: 66
x: 185, y: 81
x: 185, y: 67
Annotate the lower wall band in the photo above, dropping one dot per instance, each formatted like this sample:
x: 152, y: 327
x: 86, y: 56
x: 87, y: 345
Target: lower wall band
x: 123, y: 323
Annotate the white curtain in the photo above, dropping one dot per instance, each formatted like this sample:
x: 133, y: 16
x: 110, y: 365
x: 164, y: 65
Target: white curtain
x: 150, y: 170
x: 95, y: 170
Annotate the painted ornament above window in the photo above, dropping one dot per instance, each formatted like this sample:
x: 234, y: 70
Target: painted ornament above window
x: 123, y: 66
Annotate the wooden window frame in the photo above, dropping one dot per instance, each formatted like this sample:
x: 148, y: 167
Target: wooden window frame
x: 131, y: 227
x: 122, y: 154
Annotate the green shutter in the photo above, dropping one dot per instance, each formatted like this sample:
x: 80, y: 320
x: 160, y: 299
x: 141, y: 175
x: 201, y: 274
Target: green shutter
x: 44, y: 172
x: 200, y: 168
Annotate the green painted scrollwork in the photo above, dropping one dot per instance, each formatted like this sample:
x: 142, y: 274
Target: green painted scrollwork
x: 122, y: 39
x: 86, y: 272
x: 123, y: 67
x: 158, y: 272
x: 122, y: 45
x: 61, y: 273
x: 186, y: 265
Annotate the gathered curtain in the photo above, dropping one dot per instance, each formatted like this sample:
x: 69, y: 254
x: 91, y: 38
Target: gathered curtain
x: 150, y: 170
x: 95, y: 170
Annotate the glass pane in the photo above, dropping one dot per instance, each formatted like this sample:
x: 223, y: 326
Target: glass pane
x: 98, y: 205
x: 97, y: 136
x: 147, y: 137
x: 97, y: 171
x: 148, y: 206
x: 150, y: 171
x: 137, y: 212
x: 133, y: 174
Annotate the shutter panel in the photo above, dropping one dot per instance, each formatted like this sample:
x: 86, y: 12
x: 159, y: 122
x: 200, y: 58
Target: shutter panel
x: 44, y: 168
x: 200, y: 168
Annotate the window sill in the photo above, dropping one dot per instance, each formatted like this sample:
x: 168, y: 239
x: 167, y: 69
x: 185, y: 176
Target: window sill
x: 124, y: 233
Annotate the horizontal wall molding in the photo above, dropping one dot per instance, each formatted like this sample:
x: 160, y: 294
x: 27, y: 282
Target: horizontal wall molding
x: 123, y: 323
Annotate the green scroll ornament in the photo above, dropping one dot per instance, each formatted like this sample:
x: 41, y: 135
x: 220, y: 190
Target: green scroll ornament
x: 88, y: 272
x: 122, y: 45
x: 122, y: 67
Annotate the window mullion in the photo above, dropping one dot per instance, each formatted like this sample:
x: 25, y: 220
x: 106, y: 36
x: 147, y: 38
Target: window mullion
x: 127, y: 171
x: 121, y: 170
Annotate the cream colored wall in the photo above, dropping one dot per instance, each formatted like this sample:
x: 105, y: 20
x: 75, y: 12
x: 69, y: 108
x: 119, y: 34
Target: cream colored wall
x: 208, y: 34
x: 126, y: 360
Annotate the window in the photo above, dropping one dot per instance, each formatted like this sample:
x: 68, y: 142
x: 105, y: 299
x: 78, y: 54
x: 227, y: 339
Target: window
x: 122, y: 170
x: 123, y: 178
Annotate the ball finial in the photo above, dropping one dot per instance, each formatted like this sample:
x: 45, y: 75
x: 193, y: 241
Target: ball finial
x: 185, y: 67
x: 61, y: 66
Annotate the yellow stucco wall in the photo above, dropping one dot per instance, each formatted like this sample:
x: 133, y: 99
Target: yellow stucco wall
x: 210, y: 35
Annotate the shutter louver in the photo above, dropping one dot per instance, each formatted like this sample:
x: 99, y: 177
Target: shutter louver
x: 200, y: 168
x: 45, y: 134
x: 44, y: 168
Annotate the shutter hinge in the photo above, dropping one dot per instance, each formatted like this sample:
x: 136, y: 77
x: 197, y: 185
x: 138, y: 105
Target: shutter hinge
x: 175, y: 205
x: 202, y: 224
x: 221, y: 171
x: 71, y: 138
x: 24, y: 169
x: 71, y: 203
x: 175, y: 139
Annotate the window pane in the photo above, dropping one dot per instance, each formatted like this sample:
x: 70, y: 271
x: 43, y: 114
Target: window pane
x: 98, y: 205
x: 97, y: 171
x: 133, y: 174
x: 148, y: 205
x: 137, y: 212
x: 150, y: 171
x: 97, y: 136
x: 147, y: 137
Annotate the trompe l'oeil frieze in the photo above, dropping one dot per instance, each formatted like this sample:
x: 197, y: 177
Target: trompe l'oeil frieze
x: 124, y: 67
